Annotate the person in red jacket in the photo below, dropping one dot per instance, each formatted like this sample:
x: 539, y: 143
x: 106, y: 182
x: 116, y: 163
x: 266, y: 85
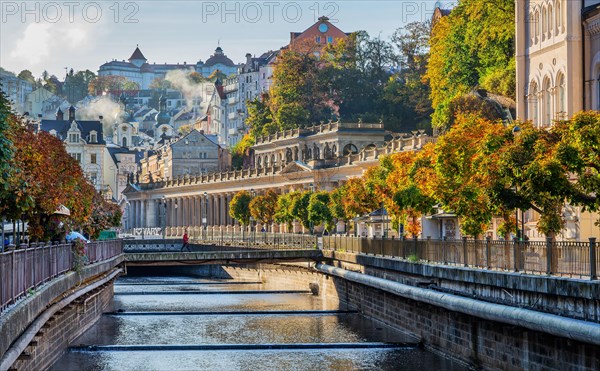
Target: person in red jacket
x: 185, y: 241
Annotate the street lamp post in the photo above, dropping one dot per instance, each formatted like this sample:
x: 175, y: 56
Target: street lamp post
x: 205, y: 215
x: 516, y: 131
x: 164, y: 216
x: 312, y: 190
x: 252, y: 226
x: 164, y: 221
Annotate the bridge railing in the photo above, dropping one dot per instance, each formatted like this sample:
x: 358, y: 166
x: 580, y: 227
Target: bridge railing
x: 25, y: 268
x: 564, y: 258
x: 264, y: 240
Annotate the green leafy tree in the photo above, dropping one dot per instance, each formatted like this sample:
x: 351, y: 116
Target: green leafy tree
x: 472, y: 46
x: 6, y: 146
x: 27, y: 76
x: 77, y: 84
x: 319, y: 211
x: 299, y: 208
x: 578, y: 150
x: 239, y: 207
x: 260, y: 117
x: 283, y: 211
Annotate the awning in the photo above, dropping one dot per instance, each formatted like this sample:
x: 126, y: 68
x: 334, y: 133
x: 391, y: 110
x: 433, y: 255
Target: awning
x: 62, y: 210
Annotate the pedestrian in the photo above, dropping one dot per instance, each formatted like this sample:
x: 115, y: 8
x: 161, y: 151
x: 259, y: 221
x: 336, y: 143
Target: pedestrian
x: 186, y: 245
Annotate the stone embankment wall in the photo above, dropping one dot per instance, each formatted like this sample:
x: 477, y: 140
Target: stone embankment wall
x: 471, y: 339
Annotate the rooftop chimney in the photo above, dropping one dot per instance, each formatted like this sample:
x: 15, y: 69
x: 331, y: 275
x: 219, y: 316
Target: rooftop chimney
x: 71, y: 114
x: 100, y: 117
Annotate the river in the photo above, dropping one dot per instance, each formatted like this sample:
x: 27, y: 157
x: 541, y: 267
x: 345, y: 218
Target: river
x: 186, y: 323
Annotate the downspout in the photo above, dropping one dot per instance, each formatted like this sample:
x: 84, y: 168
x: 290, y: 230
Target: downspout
x: 583, y: 331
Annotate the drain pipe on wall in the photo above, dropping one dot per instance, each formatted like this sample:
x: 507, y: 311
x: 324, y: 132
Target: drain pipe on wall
x: 583, y: 331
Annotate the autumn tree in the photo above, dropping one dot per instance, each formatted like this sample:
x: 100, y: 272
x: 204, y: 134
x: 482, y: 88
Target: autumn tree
x: 357, y: 199
x: 239, y: 207
x: 405, y: 201
x: 264, y: 207
x: 283, y: 211
x: 44, y: 177
x: 104, y: 215
x: 462, y: 184
x: 578, y: 150
x: 472, y: 46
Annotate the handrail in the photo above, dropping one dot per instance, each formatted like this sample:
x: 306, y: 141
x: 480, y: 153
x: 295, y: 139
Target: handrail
x: 28, y: 267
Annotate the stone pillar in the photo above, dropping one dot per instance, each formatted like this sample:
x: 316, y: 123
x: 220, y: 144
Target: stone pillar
x: 138, y: 217
x: 143, y: 215
x: 180, y: 212
x: 151, y: 213
x: 209, y: 210
x: 228, y: 219
x: 132, y: 214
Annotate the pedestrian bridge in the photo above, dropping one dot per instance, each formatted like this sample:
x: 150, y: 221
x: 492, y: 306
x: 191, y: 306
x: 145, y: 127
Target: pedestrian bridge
x: 169, y: 258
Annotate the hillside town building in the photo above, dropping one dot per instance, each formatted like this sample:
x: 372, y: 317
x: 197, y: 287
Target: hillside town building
x: 138, y: 70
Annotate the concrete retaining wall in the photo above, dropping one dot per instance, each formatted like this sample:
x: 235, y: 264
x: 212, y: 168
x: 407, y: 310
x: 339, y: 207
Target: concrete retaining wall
x: 479, y: 342
x: 63, y: 328
x: 574, y: 298
x: 16, y: 320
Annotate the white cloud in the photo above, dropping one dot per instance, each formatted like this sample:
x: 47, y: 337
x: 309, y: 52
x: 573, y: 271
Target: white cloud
x: 41, y: 43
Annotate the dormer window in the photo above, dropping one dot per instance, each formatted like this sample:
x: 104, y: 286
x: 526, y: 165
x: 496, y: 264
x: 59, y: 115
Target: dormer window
x: 53, y: 132
x: 74, y: 138
x: 93, y: 137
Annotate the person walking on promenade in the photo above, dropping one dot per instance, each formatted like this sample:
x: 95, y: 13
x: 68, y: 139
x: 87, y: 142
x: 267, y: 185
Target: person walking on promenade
x: 186, y: 245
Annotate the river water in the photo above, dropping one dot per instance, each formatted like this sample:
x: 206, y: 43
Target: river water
x: 185, y: 323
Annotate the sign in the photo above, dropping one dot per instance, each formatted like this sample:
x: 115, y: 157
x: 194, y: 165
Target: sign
x: 139, y: 233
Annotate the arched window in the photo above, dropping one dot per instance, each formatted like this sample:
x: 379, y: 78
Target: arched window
x: 561, y: 104
x: 124, y: 141
x: 533, y: 103
x: 536, y: 26
x: 598, y: 90
x: 550, y: 21
x: 559, y: 17
x: 544, y: 23
x: 547, y: 101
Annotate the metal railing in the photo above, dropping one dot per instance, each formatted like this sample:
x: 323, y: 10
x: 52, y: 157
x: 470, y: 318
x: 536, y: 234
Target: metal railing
x: 258, y: 240
x: 561, y: 258
x: 25, y: 268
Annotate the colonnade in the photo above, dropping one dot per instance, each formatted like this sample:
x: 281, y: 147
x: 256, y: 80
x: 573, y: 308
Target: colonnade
x: 175, y: 213
x: 182, y: 211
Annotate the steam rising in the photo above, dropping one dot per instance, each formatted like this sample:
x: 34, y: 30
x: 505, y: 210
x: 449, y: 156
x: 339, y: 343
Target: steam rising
x: 102, y: 106
x: 191, y: 90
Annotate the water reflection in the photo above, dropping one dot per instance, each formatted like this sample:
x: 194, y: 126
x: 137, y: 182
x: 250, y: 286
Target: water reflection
x: 205, y: 328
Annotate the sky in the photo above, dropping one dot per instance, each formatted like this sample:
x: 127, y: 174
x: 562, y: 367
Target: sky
x: 54, y: 35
